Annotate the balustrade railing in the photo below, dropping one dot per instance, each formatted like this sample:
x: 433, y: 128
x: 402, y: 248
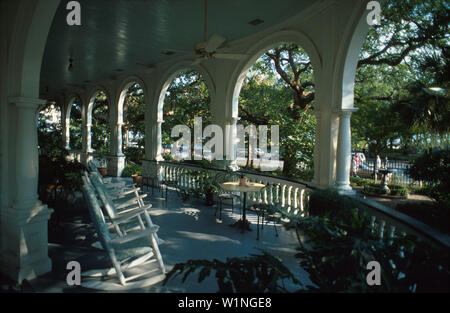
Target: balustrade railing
x: 279, y: 190
x: 293, y: 195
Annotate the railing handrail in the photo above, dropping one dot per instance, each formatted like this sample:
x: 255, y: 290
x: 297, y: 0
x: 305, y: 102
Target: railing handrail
x: 387, y: 216
x: 414, y: 226
x: 292, y: 180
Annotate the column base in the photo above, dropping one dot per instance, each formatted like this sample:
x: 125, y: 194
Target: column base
x: 151, y: 169
x: 344, y: 189
x: 85, y: 157
x: 24, y: 235
x: 116, y: 164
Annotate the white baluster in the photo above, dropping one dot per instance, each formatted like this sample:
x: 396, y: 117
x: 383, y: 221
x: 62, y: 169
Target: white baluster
x: 295, y: 198
x: 382, y: 226
x: 372, y: 223
x: 302, y: 205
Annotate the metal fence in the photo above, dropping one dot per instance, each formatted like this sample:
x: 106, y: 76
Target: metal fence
x: 398, y: 168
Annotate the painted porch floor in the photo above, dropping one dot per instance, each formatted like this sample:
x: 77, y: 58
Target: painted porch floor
x: 189, y: 231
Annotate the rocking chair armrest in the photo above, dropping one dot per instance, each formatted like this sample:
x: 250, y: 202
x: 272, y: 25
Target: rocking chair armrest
x: 106, y: 180
x: 113, y: 185
x: 125, y: 217
x: 127, y: 192
x: 134, y: 235
x: 129, y: 202
x: 146, y: 207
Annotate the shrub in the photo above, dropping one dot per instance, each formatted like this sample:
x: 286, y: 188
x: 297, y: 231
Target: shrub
x: 168, y: 157
x: 398, y: 190
x: 134, y: 154
x: 339, y: 246
x: 131, y: 169
x: 430, y: 213
x: 433, y: 167
x: 359, y: 182
x: 262, y: 273
x: 330, y: 202
x: 395, y: 189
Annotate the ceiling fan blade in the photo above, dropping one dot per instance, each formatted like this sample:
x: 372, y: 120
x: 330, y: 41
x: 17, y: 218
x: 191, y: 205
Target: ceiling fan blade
x: 230, y: 56
x: 214, y: 42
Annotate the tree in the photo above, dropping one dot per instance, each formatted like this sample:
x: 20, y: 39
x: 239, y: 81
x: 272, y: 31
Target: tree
x: 76, y: 125
x: 409, y: 49
x: 279, y: 90
x: 186, y: 98
x: 101, y: 132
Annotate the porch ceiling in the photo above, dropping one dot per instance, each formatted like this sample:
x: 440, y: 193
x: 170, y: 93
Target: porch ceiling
x: 120, y: 36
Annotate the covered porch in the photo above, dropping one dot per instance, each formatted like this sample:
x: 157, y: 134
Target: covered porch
x: 120, y: 43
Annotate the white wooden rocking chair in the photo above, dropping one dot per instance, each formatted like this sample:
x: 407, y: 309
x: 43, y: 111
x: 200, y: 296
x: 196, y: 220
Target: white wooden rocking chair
x: 134, y: 262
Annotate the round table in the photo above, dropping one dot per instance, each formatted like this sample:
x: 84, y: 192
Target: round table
x: 250, y: 187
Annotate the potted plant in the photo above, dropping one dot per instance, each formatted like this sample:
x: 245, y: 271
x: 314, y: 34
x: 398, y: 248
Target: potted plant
x: 102, y: 168
x: 208, y: 189
x: 184, y: 194
x: 137, y: 176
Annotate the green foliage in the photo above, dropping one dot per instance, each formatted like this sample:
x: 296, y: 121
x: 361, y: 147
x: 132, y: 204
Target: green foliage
x: 394, y: 189
x: 408, y: 52
x: 341, y: 243
x: 263, y: 273
x: 186, y: 98
x: 54, y: 169
x: 267, y: 99
x: 433, y: 167
x: 168, y: 157
x: 76, y: 125
x: 433, y: 214
x: 101, y: 132
x: 184, y: 193
x: 58, y: 171
x: 134, y: 115
x: 359, y: 182
x: 131, y: 169
x: 134, y: 154
x: 322, y: 202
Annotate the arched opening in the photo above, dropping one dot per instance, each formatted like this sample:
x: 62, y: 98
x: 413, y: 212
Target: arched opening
x: 74, y: 119
x: 49, y: 130
x: 98, y: 116
x: 278, y: 89
x: 185, y: 98
x: 132, y: 118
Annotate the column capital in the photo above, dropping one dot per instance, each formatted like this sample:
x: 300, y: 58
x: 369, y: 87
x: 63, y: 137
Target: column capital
x: 232, y: 120
x: 346, y: 112
x: 27, y: 103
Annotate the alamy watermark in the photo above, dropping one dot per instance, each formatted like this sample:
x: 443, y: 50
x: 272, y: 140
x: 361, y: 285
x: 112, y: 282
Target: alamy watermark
x: 73, y: 278
x: 374, y: 276
x: 235, y: 143
x: 74, y: 16
x: 374, y: 16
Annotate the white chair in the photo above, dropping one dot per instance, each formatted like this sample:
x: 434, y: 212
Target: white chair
x: 117, y: 186
x: 119, y: 212
x: 133, y: 256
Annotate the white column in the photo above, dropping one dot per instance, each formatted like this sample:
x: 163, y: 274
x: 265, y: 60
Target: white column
x: 86, y: 134
x: 116, y: 161
x: 344, y: 152
x: 153, y: 149
x: 67, y: 135
x: 65, y: 119
x: 24, y: 225
x: 325, y: 148
x: 230, y: 149
x: 316, y: 152
x: 118, y: 135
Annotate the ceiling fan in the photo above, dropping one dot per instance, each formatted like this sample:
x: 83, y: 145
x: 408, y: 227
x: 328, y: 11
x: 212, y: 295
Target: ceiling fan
x: 209, y: 49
